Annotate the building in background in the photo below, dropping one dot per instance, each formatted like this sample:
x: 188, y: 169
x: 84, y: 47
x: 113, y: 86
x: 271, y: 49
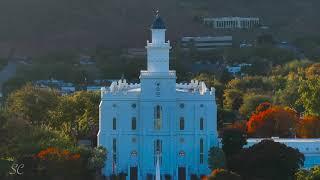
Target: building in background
x: 157, y: 118
x: 232, y: 22
x: 309, y: 147
x: 236, y: 69
x: 62, y: 87
x: 206, y: 42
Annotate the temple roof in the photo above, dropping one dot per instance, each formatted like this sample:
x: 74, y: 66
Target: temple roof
x: 158, y: 23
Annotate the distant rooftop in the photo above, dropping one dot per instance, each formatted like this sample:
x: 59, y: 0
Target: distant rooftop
x: 286, y: 140
x: 207, y: 38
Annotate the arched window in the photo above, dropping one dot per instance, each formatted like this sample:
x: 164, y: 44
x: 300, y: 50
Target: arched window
x: 201, y: 123
x: 134, y: 123
x: 181, y: 123
x: 157, y: 151
x: 114, y: 150
x: 157, y: 117
x: 201, y: 152
x: 114, y: 123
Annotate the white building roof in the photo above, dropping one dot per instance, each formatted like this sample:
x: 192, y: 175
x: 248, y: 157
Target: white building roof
x: 231, y: 18
x: 208, y: 38
x: 285, y: 140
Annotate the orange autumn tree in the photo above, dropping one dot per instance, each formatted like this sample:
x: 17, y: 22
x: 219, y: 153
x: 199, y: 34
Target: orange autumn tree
x: 222, y: 174
x: 274, y: 121
x: 60, y: 164
x: 53, y: 153
x: 308, y: 127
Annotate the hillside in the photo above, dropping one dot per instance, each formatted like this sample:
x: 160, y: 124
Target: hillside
x: 37, y: 26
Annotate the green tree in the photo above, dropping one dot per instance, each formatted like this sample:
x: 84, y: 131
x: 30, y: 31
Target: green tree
x: 267, y: 160
x: 289, y: 96
x: 22, y: 139
x: 32, y: 104
x: 313, y: 71
x: 97, y: 158
x: 310, y: 96
x: 217, y: 158
x: 77, y: 114
x: 225, y: 116
x: 292, y: 66
x: 232, y: 99
x: 312, y: 174
x: 250, y: 102
x: 251, y: 83
x: 233, y: 141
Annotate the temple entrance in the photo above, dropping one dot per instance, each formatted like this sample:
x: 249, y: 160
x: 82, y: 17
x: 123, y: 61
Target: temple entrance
x: 182, y: 173
x: 134, y: 173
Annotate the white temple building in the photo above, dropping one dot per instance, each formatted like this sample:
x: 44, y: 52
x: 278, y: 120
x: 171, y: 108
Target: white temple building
x: 160, y: 129
x: 158, y: 116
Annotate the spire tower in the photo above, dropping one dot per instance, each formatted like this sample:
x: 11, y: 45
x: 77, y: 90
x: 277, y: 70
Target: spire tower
x: 158, y: 48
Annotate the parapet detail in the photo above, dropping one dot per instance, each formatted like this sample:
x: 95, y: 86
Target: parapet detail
x: 158, y: 45
x: 121, y: 86
x: 195, y: 86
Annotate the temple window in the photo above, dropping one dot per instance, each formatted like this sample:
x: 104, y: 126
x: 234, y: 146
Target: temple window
x: 158, y: 117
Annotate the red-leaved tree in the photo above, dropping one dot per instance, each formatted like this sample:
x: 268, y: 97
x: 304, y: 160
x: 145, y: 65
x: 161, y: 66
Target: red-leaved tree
x: 274, y: 121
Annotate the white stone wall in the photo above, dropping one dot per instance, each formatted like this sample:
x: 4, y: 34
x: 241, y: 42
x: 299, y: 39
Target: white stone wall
x: 174, y: 140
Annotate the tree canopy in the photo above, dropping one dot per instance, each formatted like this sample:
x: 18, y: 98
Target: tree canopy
x: 267, y: 160
x: 217, y: 158
x: 312, y: 174
x: 250, y: 102
x: 310, y: 95
x: 232, y: 141
x: 32, y: 104
x: 308, y: 127
x: 275, y: 121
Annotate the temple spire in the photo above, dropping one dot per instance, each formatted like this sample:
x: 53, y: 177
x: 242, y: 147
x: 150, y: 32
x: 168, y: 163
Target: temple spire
x: 158, y: 48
